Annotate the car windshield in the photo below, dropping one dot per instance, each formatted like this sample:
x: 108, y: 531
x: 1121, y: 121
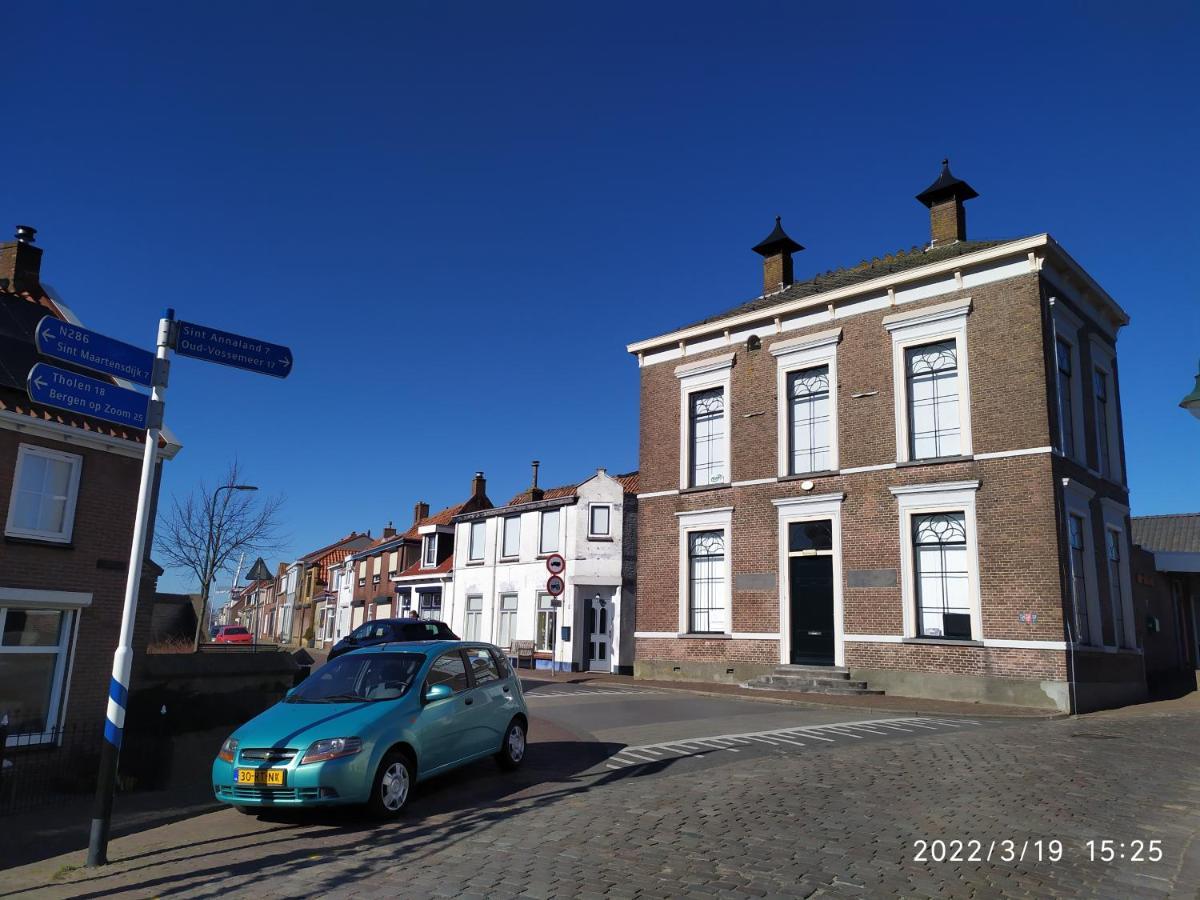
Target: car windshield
x: 238, y: 630
x: 360, y: 677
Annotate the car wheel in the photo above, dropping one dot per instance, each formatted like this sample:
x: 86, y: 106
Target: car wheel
x: 512, y: 749
x: 393, y: 784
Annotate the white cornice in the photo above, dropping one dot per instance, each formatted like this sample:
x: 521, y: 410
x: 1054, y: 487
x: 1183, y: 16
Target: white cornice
x: 906, y: 489
x: 873, y: 286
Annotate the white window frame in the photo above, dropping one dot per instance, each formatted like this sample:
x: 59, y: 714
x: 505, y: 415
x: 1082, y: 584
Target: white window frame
x: 543, y: 550
x: 1066, y: 329
x: 69, y: 603
x: 430, y: 544
x: 513, y: 614
x: 509, y: 557
x: 706, y: 375
x: 924, y: 499
x: 718, y: 519
x: 472, y: 545
x: 545, y: 606
x: 467, y: 613
x: 593, y: 535
x: 795, y: 355
x: 1114, y: 515
x: 942, y: 322
x: 24, y: 451
x: 1104, y: 360
x: 822, y: 507
x: 1077, y: 501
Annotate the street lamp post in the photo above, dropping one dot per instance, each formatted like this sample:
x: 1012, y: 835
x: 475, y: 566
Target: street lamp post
x: 214, y: 537
x: 1192, y: 401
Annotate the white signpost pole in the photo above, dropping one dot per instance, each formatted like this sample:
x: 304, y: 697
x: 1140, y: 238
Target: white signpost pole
x: 118, y: 689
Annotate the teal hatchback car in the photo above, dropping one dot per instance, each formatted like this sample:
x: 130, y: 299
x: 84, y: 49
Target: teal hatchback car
x: 366, y: 727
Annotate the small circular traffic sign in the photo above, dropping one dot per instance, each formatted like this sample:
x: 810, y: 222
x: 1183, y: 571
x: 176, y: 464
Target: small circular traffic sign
x: 555, y: 564
x: 555, y: 585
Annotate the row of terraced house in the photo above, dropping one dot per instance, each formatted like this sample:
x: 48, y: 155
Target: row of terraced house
x: 908, y: 475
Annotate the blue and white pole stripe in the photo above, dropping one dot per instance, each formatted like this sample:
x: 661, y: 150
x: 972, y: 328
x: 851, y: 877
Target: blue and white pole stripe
x: 118, y: 700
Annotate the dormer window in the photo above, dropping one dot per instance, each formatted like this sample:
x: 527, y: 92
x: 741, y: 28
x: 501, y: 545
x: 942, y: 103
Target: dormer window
x: 429, y: 554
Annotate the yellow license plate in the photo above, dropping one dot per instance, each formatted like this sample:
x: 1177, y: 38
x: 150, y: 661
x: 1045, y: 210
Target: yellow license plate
x: 269, y: 777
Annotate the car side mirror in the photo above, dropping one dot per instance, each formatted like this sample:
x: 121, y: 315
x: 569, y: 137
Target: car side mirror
x: 437, y: 692
x: 289, y: 692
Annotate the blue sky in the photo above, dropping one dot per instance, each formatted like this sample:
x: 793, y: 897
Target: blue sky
x: 458, y: 214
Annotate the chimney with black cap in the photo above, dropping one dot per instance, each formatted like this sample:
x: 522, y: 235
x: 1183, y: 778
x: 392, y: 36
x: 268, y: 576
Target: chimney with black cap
x: 420, y: 511
x: 535, y: 492
x: 21, y: 262
x: 945, y: 198
x: 776, y: 249
x: 478, y: 487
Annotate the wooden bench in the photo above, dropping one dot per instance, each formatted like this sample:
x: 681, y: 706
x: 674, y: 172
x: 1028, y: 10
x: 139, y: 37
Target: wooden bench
x: 523, y: 650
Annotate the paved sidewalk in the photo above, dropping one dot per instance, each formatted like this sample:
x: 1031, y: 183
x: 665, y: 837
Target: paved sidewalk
x: 839, y: 821
x: 866, y: 703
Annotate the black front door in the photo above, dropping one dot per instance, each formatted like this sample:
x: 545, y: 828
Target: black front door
x: 811, y: 581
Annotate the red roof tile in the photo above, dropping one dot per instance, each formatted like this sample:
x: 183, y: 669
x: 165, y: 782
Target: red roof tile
x: 629, y: 482
x: 440, y: 569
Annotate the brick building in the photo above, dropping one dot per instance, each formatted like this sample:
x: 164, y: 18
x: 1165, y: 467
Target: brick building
x: 315, y: 598
x: 68, y: 492
x: 910, y: 470
x: 407, y: 573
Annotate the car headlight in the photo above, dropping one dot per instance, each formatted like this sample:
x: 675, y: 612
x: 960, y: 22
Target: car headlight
x: 228, y: 749
x: 331, y: 748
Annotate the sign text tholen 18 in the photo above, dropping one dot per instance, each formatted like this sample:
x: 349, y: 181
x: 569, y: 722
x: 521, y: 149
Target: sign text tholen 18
x: 52, y: 386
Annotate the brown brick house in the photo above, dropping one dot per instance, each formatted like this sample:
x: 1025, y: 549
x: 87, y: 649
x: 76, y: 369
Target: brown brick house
x: 911, y: 470
x: 68, y: 493
x: 313, y: 600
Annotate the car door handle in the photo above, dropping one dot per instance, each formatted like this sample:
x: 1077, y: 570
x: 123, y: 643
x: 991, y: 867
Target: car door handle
x: 506, y: 689
x: 468, y: 701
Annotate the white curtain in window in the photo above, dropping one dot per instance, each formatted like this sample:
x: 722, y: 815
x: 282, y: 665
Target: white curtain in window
x: 472, y: 627
x: 475, y: 544
x: 42, y: 491
x: 512, y: 536
x: 708, y: 437
x: 706, y: 582
x: 508, y: 620
x: 933, y: 414
x: 809, y: 392
x: 943, y: 592
x: 550, y: 519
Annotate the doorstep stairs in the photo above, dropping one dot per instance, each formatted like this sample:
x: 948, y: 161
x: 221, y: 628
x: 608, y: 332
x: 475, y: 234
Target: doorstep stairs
x: 811, y: 680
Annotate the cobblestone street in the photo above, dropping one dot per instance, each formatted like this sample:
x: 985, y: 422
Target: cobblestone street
x: 835, y: 815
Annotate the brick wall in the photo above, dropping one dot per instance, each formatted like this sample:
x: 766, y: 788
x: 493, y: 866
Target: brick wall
x: 1020, y: 570
x: 95, y: 562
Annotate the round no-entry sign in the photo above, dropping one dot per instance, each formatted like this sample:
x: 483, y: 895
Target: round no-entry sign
x: 555, y: 585
x: 555, y: 564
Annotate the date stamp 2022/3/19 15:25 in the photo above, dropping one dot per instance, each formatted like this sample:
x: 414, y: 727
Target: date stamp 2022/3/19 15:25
x: 1051, y: 850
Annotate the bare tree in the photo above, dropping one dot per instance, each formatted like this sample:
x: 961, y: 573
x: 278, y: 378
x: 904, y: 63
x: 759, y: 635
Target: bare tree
x: 207, y: 527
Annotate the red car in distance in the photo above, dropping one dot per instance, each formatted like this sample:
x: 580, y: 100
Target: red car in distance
x: 232, y: 634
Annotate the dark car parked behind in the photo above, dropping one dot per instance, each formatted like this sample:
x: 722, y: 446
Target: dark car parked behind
x: 383, y: 631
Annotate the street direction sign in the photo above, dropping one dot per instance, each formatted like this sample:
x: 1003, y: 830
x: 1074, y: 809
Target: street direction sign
x: 555, y: 585
x: 228, y: 349
x: 89, y: 396
x: 91, y: 350
x: 555, y: 564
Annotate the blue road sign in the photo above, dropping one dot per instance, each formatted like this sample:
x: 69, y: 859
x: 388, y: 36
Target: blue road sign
x: 202, y: 342
x: 88, y: 396
x: 70, y: 343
